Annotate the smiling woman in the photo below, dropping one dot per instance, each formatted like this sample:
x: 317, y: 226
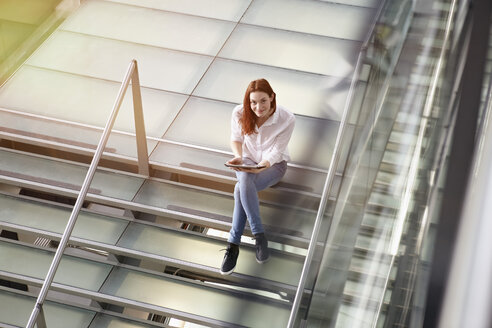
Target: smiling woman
x: 260, y: 133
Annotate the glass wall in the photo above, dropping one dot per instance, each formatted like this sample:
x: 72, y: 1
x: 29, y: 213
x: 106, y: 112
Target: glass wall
x: 342, y: 260
x: 372, y: 272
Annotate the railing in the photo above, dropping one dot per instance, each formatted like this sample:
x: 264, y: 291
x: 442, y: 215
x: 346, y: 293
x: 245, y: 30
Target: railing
x: 37, y: 316
x: 331, y: 171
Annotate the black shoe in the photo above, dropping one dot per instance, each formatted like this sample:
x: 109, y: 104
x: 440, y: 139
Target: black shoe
x: 262, y: 252
x: 230, y: 259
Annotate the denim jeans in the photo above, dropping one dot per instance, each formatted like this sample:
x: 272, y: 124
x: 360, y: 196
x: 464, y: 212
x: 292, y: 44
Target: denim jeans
x: 246, y: 203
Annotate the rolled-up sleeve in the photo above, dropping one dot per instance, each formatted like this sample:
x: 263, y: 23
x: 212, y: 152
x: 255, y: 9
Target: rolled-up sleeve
x: 236, y: 134
x: 279, y: 148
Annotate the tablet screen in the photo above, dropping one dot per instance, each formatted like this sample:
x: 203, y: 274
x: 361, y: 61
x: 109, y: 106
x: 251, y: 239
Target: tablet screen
x: 245, y: 166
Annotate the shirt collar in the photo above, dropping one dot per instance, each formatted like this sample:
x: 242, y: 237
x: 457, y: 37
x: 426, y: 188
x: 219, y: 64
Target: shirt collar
x: 272, y: 119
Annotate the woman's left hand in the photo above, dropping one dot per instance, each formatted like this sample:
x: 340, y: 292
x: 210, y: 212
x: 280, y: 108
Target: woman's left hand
x: 262, y: 163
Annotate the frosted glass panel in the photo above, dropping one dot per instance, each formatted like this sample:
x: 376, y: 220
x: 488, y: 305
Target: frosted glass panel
x: 16, y: 310
x: 69, y: 133
x: 54, y: 219
x: 218, y: 208
x: 206, y: 302
x: 314, y: 17
x: 221, y: 9
x: 312, y: 142
x: 298, y: 51
x: 67, y: 175
x: 302, y: 93
x: 203, y: 122
x: 85, y: 100
x: 206, y: 252
x: 108, y: 59
x: 177, y: 155
x: 35, y: 263
x: 151, y: 27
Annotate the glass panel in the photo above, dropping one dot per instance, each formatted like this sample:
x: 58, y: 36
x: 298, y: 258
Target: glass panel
x: 204, y: 301
x: 220, y: 9
x: 298, y: 51
x: 85, y: 100
x: 108, y: 59
x: 12, y: 34
x: 67, y: 175
x: 399, y: 208
x: 302, y: 93
x: 218, y: 207
x: 77, y: 135
x: 314, y: 17
x: 312, y: 142
x: 140, y: 25
x: 197, y: 114
x: 206, y: 251
x: 29, y: 12
x: 54, y: 219
x: 16, y: 309
x: 35, y: 263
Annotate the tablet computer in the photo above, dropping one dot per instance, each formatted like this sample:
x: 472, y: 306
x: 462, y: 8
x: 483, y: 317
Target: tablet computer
x: 245, y: 166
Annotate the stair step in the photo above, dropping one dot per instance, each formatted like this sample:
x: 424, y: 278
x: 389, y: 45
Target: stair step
x: 187, y: 160
x: 156, y: 293
x: 17, y: 307
x: 124, y: 236
x: 155, y: 196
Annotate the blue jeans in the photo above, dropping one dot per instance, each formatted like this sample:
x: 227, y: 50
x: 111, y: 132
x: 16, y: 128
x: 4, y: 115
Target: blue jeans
x: 246, y: 203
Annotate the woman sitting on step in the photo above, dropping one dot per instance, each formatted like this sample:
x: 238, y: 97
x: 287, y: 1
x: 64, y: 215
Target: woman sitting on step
x: 260, y: 132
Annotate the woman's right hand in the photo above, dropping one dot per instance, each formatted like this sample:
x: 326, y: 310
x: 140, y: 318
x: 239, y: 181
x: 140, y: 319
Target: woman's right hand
x: 236, y: 161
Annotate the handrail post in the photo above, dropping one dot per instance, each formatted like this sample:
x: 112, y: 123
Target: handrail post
x: 142, y: 152
x: 41, y: 321
x: 131, y: 74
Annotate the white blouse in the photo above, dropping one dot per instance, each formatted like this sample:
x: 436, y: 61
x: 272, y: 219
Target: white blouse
x: 269, y: 142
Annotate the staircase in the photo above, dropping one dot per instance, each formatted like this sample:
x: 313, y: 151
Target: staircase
x: 146, y: 250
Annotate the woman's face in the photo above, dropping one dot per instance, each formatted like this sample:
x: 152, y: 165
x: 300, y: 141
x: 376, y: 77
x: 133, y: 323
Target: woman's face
x: 261, y: 103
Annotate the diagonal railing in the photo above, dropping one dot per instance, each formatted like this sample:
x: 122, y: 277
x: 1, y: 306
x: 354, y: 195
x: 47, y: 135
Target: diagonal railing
x: 37, y: 316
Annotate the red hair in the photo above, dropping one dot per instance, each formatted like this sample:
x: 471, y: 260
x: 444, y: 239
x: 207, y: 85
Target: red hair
x: 248, y: 118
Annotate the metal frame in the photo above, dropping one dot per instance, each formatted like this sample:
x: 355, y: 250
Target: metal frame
x: 143, y: 167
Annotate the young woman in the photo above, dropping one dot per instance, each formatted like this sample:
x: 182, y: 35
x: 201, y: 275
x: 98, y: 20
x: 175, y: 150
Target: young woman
x: 260, y: 132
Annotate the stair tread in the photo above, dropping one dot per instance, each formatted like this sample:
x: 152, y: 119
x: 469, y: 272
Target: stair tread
x: 202, y: 206
x: 200, y: 250
x: 16, y: 309
x: 163, y: 291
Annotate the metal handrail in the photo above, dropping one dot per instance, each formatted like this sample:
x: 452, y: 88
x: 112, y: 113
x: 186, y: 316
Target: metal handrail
x: 331, y: 171
x: 143, y: 168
